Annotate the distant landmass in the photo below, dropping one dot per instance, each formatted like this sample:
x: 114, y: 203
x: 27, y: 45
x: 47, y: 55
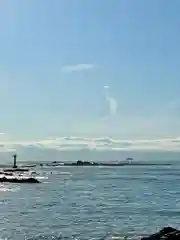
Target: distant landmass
x: 35, y: 154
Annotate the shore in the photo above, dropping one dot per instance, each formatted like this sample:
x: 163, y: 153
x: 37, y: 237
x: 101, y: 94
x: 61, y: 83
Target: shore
x: 22, y: 165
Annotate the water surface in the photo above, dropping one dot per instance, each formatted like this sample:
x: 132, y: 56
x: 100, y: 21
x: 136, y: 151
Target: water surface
x: 92, y: 203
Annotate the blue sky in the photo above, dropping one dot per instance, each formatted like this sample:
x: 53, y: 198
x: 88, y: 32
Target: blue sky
x: 57, y: 56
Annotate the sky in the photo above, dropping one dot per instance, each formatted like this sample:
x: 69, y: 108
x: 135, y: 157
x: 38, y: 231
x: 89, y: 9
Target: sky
x: 89, y: 68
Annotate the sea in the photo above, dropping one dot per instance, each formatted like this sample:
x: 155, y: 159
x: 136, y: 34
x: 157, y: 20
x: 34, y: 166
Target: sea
x: 126, y: 202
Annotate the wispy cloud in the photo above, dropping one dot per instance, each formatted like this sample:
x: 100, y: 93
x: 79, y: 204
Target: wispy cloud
x: 100, y: 144
x: 113, y: 104
x: 77, y: 67
x: 2, y: 136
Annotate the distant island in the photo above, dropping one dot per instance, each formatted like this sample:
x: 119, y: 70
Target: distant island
x: 126, y: 162
x: 87, y: 163
x: 26, y: 166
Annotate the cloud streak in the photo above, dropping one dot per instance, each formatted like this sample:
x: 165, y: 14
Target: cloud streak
x: 113, y: 104
x: 77, y: 68
x: 99, y: 144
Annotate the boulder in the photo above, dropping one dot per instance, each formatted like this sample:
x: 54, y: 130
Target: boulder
x: 19, y: 180
x: 167, y: 233
x: 16, y: 170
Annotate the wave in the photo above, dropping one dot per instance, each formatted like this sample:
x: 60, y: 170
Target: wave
x: 9, y: 189
x: 116, y: 236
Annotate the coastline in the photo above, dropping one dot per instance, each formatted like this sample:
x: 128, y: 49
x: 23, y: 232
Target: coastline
x: 73, y: 164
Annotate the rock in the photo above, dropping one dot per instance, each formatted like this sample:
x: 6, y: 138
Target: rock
x: 6, y: 173
x: 167, y: 233
x: 79, y: 162
x: 29, y: 166
x: 19, y: 180
x: 16, y: 170
x: 83, y: 163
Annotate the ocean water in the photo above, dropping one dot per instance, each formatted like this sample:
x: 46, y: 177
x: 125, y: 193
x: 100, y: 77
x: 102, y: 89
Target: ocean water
x: 92, y: 203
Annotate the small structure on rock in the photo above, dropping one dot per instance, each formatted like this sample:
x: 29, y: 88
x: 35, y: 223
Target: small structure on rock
x: 129, y: 159
x: 13, y: 175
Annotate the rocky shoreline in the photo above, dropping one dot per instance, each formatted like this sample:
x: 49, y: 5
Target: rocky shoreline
x: 18, y: 180
x: 127, y: 162
x: 167, y: 233
x: 21, y: 173
x: 16, y: 174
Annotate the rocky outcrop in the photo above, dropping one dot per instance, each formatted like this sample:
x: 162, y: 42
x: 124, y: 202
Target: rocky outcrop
x: 87, y: 163
x: 19, y: 180
x: 6, y: 173
x: 16, y: 170
x: 167, y: 233
x: 83, y: 163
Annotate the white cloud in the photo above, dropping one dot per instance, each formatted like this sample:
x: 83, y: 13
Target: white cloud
x: 77, y: 67
x: 4, y: 137
x: 113, y: 105
x: 100, y: 144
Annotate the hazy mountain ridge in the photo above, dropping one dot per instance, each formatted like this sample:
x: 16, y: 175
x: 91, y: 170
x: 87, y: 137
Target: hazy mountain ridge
x: 98, y: 149
x: 31, y: 154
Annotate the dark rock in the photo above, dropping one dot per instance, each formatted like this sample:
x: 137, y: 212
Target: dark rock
x: 16, y: 170
x: 7, y: 173
x: 19, y: 180
x: 167, y: 233
x: 172, y: 236
x: 83, y: 163
x: 96, y: 164
x: 87, y: 163
x: 52, y: 164
x: 79, y: 162
x: 29, y: 166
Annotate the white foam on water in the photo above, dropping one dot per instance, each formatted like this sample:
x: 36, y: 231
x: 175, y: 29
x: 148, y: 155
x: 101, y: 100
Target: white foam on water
x: 65, y: 173
x: 3, y: 189
x: 21, y: 177
x: 41, y: 177
x: 6, y: 189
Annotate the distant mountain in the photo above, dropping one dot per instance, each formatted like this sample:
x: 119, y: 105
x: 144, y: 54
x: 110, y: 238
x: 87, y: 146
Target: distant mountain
x: 98, y: 149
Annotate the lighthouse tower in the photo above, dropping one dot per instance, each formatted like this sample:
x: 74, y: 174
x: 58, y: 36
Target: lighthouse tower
x: 14, y: 157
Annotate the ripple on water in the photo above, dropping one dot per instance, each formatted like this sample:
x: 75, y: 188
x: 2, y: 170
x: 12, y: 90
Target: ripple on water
x: 8, y: 188
x: 91, y: 203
